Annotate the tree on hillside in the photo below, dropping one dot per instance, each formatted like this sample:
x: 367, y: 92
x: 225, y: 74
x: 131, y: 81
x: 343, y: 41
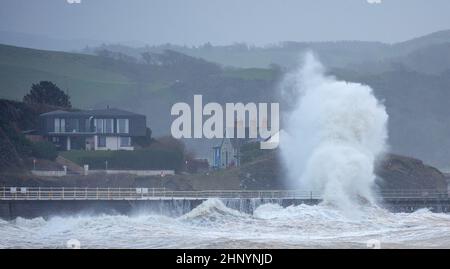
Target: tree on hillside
x: 46, y: 92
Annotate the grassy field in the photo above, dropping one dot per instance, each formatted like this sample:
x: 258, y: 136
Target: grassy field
x: 86, y: 78
x: 93, y: 81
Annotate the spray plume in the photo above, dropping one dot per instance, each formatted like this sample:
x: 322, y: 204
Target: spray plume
x: 334, y: 135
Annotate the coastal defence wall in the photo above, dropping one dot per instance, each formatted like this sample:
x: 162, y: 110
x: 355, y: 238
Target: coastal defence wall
x: 11, y: 209
x: 5, y: 212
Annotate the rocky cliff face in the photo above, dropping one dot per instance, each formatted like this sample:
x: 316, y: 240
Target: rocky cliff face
x: 400, y: 172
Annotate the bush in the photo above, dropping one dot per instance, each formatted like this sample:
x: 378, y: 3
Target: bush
x: 251, y: 152
x: 143, y: 159
x: 22, y: 145
x: 44, y: 150
x: 144, y: 141
x: 147, y: 159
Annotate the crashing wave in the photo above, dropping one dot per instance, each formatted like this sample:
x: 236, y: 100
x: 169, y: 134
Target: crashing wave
x: 212, y: 210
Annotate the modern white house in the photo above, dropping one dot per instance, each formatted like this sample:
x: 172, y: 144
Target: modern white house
x: 100, y: 129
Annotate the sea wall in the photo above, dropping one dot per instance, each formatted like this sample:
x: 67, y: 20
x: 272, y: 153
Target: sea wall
x: 175, y: 207
x: 172, y: 207
x: 47, y: 208
x: 5, y: 210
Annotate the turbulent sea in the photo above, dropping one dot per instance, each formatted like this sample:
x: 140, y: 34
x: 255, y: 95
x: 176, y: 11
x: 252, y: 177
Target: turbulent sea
x: 334, y: 135
x: 214, y: 225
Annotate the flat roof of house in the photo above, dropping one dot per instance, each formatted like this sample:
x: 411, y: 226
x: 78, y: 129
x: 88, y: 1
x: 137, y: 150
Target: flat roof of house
x: 108, y: 112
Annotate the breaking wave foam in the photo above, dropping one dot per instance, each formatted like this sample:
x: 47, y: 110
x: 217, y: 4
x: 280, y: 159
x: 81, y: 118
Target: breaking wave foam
x: 214, y: 225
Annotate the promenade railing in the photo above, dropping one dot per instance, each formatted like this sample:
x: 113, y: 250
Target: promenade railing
x: 74, y: 193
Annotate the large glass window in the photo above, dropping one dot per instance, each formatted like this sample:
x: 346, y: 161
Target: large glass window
x: 57, y: 126
x: 73, y: 125
x: 109, y: 126
x: 122, y: 126
x: 125, y: 141
x: 60, y: 125
x: 101, y: 142
x: 99, y: 126
x: 103, y: 126
x: 87, y: 126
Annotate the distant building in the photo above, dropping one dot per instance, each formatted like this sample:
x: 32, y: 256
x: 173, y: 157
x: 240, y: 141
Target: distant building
x: 228, y: 152
x: 100, y: 129
x: 225, y: 154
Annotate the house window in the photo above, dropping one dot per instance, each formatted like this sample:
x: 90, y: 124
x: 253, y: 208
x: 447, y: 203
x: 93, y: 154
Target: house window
x: 60, y: 125
x: 99, y: 126
x: 108, y: 126
x: 123, y: 126
x: 73, y: 125
x: 104, y: 126
x: 125, y: 141
x: 101, y: 143
x: 87, y: 125
x: 57, y: 126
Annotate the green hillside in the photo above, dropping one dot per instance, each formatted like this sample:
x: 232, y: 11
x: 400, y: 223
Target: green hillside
x: 94, y: 81
x: 414, y: 87
x: 80, y: 75
x: 86, y: 78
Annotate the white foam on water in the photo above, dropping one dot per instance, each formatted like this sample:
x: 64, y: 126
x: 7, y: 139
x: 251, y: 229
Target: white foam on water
x: 213, y: 225
x: 210, y: 211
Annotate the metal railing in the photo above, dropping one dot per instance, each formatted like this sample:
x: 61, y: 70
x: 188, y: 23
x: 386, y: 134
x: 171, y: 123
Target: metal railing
x: 74, y: 193
x: 414, y: 194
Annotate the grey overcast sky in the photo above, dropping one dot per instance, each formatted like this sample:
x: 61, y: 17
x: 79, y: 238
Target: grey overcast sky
x: 220, y: 22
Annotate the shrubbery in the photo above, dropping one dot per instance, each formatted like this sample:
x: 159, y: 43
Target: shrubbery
x: 44, y: 150
x: 144, y: 141
x: 143, y: 159
x: 22, y: 145
x: 165, y: 153
x: 251, y: 152
x: 148, y: 159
